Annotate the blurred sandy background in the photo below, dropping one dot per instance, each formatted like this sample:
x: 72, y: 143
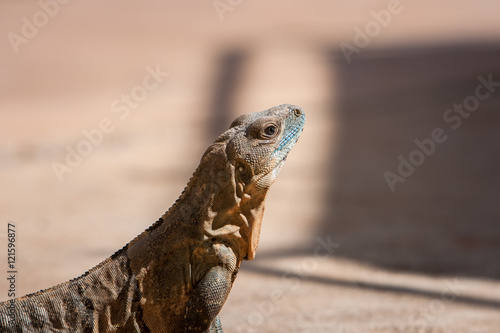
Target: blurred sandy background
x: 424, y: 258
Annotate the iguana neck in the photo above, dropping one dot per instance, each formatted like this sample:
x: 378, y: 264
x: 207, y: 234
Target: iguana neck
x: 219, y: 206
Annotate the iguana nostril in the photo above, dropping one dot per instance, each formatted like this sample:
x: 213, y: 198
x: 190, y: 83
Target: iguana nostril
x: 297, y: 112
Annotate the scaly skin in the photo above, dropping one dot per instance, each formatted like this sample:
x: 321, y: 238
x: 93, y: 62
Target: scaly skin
x: 176, y: 275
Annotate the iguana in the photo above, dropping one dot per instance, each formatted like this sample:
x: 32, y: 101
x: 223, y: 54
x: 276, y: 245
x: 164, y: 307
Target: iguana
x: 177, y: 274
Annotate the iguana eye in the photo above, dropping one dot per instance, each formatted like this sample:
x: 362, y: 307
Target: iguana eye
x: 264, y: 129
x: 270, y: 131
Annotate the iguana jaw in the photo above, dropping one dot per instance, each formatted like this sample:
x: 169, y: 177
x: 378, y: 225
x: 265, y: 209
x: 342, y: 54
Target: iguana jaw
x: 266, y: 180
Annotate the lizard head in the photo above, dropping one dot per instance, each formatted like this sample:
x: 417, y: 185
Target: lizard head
x: 260, y: 144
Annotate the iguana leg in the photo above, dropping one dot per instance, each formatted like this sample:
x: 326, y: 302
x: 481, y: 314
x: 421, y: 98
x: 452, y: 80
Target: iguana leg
x: 207, y: 299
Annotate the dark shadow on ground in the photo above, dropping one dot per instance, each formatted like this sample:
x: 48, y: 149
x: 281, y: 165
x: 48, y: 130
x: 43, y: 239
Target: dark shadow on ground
x: 445, y: 217
x: 446, y: 294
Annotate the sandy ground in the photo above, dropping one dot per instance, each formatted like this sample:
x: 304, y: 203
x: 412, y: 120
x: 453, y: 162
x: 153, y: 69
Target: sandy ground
x: 340, y: 251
